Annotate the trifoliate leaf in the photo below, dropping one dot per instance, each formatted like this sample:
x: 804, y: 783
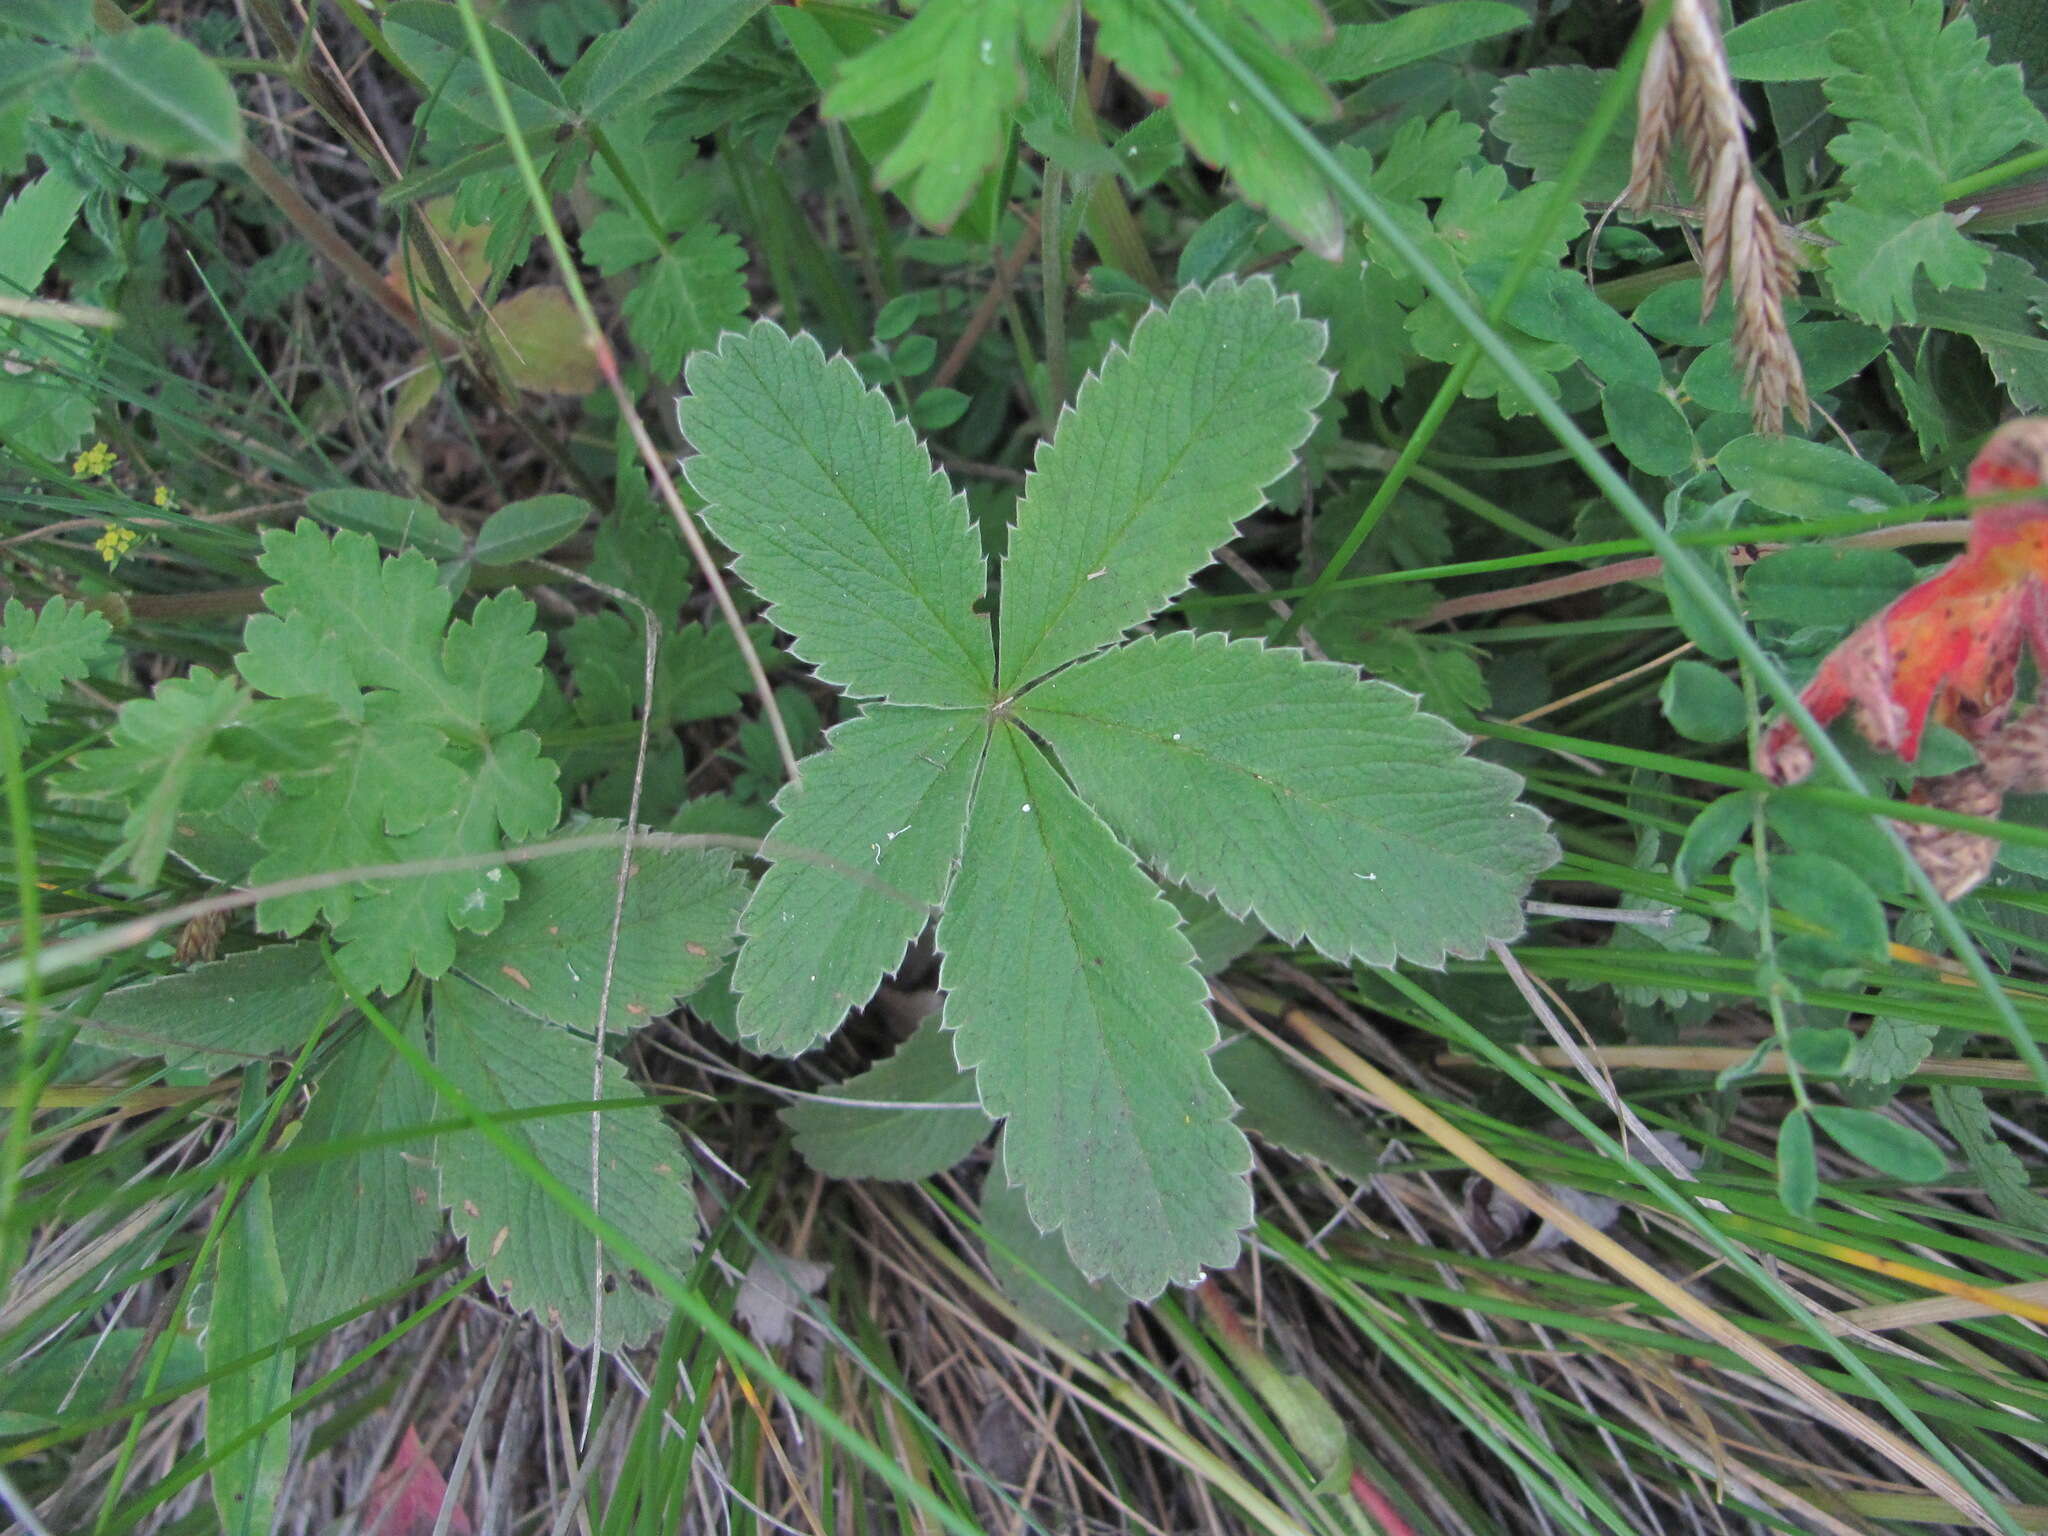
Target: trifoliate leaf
x: 663, y: 43
x: 838, y: 519
x: 354, y: 1223
x: 1163, y: 452
x: 41, y: 652
x: 221, y: 1016
x: 1035, y: 1273
x: 1893, y: 1149
x: 1072, y: 995
x: 886, y: 801
x: 536, y: 1254
x: 548, y: 957
x: 963, y: 66
x: 856, y: 1129
x: 434, y: 45
x: 1330, y: 808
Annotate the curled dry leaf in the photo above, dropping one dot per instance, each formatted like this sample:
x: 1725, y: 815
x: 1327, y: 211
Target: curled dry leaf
x: 1948, y: 650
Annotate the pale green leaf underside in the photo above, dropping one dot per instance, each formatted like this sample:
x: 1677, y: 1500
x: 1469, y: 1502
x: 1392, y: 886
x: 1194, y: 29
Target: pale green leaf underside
x: 536, y: 1254
x: 838, y: 519
x: 886, y: 799
x: 909, y: 1117
x: 352, y: 1226
x: 1038, y: 1277
x: 548, y: 957
x: 1331, y: 808
x: 1163, y: 452
x: 1073, y: 996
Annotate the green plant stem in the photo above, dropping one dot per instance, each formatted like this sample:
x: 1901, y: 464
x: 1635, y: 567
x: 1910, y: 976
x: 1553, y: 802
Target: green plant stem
x: 1619, y: 92
x: 1996, y: 176
x: 29, y: 1073
x: 1052, y: 226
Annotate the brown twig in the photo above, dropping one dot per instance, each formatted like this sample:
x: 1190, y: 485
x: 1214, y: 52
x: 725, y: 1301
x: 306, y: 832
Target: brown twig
x: 990, y: 307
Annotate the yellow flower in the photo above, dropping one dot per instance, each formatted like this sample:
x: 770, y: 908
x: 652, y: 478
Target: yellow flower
x: 165, y: 498
x: 115, y: 543
x: 93, y: 463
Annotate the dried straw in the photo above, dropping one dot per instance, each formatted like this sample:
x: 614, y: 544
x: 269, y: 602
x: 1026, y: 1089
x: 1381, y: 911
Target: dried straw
x: 1687, y: 95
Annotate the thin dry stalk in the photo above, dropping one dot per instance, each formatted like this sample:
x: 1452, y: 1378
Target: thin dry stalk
x: 1688, y: 96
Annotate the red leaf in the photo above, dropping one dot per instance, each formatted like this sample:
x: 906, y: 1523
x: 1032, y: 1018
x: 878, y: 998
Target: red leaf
x: 1949, y: 648
x: 406, y: 1499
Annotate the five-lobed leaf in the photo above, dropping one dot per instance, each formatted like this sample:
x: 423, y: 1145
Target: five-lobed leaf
x: 535, y: 1253
x: 1072, y: 994
x: 840, y: 522
x: 1333, y: 809
x: 1164, y: 451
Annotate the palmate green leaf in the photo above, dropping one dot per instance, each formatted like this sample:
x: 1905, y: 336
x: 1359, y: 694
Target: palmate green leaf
x: 692, y: 292
x: 41, y: 652
x: 838, y: 519
x: 1163, y: 452
x: 886, y: 801
x: 536, y: 1255
x: 353, y: 1225
x: 1073, y: 996
x: 964, y: 66
x: 1332, y: 809
x: 850, y: 1131
x: 548, y: 957
x: 1924, y: 106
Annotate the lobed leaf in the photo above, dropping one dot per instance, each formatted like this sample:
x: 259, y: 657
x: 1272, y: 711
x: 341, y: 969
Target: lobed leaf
x: 535, y: 1253
x: 1332, y: 809
x: 838, y: 519
x: 886, y: 800
x: 353, y: 1224
x: 1073, y: 997
x: 42, y: 651
x: 548, y: 957
x: 222, y: 1015
x: 1161, y: 455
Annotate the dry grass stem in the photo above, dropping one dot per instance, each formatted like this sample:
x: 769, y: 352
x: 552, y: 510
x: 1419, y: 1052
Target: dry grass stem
x: 1687, y: 96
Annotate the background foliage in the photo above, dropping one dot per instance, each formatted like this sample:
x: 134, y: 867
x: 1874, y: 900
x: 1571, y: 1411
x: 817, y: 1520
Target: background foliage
x: 1183, y: 607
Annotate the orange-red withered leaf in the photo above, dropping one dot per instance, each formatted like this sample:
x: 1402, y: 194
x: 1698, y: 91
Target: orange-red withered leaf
x: 1949, y: 648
